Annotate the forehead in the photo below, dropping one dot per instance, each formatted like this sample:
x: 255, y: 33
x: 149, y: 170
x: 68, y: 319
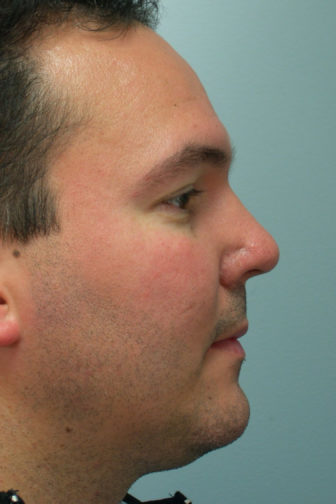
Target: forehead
x: 121, y: 65
x: 143, y: 100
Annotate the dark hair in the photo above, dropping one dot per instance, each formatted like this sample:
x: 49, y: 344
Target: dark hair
x: 33, y: 120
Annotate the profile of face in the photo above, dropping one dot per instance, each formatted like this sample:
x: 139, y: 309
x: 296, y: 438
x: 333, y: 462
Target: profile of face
x: 129, y: 315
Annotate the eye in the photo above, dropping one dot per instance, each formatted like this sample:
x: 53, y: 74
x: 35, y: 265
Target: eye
x: 181, y: 201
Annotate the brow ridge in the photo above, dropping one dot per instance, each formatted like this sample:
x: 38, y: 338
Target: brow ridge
x: 190, y: 156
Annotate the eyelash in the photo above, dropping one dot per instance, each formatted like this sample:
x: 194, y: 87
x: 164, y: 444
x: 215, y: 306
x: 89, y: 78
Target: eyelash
x: 184, y: 199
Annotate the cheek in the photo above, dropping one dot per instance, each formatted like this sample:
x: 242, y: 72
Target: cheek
x: 165, y: 278
x: 175, y: 278
x: 174, y: 272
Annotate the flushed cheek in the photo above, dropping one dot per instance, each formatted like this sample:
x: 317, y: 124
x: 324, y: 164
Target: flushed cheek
x: 168, y: 275
x: 178, y: 279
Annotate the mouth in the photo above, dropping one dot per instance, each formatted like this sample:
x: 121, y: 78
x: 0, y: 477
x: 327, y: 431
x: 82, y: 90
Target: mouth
x: 229, y: 342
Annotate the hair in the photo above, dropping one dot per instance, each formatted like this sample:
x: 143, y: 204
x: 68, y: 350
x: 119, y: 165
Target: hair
x: 33, y: 120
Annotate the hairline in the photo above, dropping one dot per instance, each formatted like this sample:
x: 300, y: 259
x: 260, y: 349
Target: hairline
x: 66, y: 119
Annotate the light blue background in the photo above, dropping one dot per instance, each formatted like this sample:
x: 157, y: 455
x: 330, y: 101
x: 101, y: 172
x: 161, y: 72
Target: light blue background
x: 269, y: 67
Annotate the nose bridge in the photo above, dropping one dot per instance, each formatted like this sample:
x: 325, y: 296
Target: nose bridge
x: 251, y: 250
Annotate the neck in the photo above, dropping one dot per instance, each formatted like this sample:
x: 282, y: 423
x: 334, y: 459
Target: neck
x: 46, y: 466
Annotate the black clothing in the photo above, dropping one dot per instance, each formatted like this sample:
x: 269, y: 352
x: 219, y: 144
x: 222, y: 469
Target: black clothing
x: 177, y: 499
x: 11, y: 497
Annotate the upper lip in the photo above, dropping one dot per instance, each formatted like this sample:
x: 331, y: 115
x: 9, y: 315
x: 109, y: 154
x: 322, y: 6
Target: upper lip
x: 234, y: 334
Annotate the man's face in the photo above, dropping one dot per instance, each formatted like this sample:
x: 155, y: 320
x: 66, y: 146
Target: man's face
x: 128, y: 301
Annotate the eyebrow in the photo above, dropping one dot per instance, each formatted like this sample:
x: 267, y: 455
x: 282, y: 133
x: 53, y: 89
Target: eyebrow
x: 189, y: 157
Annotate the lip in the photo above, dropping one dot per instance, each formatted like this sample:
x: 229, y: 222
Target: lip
x: 234, y: 335
x: 229, y: 342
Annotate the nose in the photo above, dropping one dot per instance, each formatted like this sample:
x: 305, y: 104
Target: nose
x: 248, y: 249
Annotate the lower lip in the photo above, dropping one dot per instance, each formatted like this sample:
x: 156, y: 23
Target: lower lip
x: 230, y: 345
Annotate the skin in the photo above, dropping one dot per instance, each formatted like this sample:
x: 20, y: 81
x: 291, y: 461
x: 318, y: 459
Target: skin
x: 107, y: 328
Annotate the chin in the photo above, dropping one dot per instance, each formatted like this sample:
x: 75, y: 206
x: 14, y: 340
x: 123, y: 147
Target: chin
x: 215, y: 429
x: 221, y: 430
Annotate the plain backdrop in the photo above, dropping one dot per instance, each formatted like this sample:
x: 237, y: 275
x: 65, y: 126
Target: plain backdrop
x: 269, y: 67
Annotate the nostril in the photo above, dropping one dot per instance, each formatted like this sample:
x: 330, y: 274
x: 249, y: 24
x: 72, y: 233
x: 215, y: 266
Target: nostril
x: 255, y: 272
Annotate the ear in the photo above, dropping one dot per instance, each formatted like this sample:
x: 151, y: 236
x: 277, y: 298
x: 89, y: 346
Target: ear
x: 10, y: 272
x: 9, y: 327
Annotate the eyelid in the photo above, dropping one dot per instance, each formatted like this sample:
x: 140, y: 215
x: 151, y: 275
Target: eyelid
x: 188, y: 195
x: 181, y: 191
x: 164, y: 197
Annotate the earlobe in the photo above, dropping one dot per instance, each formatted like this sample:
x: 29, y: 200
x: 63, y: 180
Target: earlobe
x: 9, y: 327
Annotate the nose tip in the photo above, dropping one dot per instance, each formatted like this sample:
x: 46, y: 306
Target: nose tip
x: 253, y: 250
x: 273, y: 254
x: 263, y: 253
